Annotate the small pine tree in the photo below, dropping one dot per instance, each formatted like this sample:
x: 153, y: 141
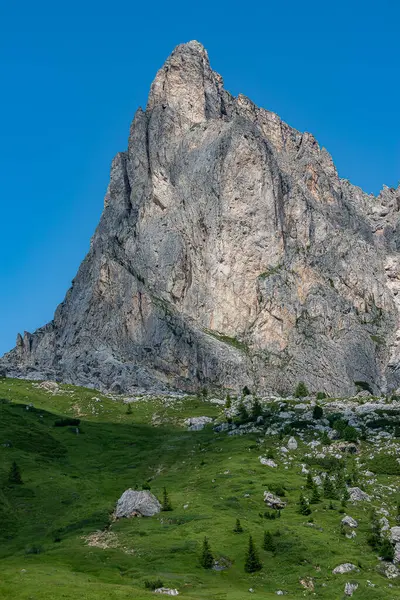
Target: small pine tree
x: 204, y: 392
x: 325, y: 439
x: 14, y: 474
x: 345, y: 497
x: 268, y: 543
x: 206, y: 559
x: 304, y: 509
x: 166, y: 504
x: 228, y: 401
x: 329, y: 489
x: 129, y: 409
x: 252, y: 562
x: 301, y: 390
x: 243, y: 415
x: 318, y: 413
x: 238, y: 527
x: 256, y: 410
x: 309, y: 482
x: 350, y: 434
x: 321, y: 395
x: 386, y: 550
x: 246, y: 391
x: 375, y: 538
x: 315, y: 496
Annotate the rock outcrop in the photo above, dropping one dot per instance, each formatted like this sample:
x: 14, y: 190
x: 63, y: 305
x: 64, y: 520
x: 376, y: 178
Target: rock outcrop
x: 137, y: 503
x: 229, y: 253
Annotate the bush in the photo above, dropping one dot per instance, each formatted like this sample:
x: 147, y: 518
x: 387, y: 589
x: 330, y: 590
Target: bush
x: 153, y: 584
x: 252, y: 563
x: 228, y: 401
x: 301, y: 390
x: 246, y: 391
x: 14, y: 474
x: 321, y: 396
x: 238, y: 527
x: 386, y: 550
x: 67, y: 422
x: 206, y: 559
x: 318, y: 413
x: 350, y: 434
x: 33, y: 549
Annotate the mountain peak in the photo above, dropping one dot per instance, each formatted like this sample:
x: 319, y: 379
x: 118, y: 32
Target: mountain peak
x: 187, y: 85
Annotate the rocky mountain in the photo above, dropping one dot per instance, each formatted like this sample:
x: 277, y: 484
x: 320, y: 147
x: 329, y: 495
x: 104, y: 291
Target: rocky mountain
x: 229, y: 253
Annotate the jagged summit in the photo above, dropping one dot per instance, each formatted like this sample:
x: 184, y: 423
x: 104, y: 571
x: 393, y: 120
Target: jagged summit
x: 229, y: 253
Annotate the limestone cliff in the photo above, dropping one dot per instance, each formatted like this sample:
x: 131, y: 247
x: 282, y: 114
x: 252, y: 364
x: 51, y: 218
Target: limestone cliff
x: 229, y: 252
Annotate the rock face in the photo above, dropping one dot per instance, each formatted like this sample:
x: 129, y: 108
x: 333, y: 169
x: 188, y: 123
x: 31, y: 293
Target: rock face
x: 137, y: 503
x: 229, y: 253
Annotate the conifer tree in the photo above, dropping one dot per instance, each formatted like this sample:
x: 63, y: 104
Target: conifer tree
x: 304, y: 509
x: 325, y: 439
x: 329, y: 489
x: 301, y: 390
x: 238, y: 527
x: 246, y: 391
x: 315, y: 496
x: 166, y: 504
x: 256, y: 410
x: 269, y: 543
x: 309, y: 482
x: 228, y: 402
x: 252, y: 562
x: 270, y: 453
x: 386, y: 550
x: 242, y: 412
x: 206, y: 559
x: 318, y: 412
x: 129, y: 409
x: 14, y: 474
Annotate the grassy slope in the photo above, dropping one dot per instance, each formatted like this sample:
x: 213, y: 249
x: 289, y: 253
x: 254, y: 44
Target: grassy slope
x: 71, y: 484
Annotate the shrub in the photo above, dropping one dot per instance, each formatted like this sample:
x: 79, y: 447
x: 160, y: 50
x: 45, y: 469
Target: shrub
x: 166, y: 504
x: 67, y: 422
x: 243, y: 415
x: 309, y: 482
x: 207, y: 558
x: 238, y: 527
x: 228, y: 401
x: 14, y: 474
x: 315, y: 496
x: 146, y: 486
x: 256, y: 410
x: 304, y: 509
x: 321, y: 395
x: 252, y: 562
x: 350, y: 434
x: 301, y: 390
x: 153, y: 584
x: 33, y: 549
x: 318, y: 413
x: 246, y: 391
x: 268, y: 542
x: 386, y: 550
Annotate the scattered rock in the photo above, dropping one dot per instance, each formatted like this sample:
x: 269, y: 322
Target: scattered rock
x: 273, y: 501
x: 349, y: 521
x: 391, y: 571
x: 344, y: 568
x: 102, y: 539
x: 307, y: 583
x: 350, y: 588
x: 292, y: 443
x: 267, y: 462
x: 167, y: 591
x: 197, y: 423
x: 50, y: 386
x: 135, y: 503
x: 357, y: 495
x: 394, y: 534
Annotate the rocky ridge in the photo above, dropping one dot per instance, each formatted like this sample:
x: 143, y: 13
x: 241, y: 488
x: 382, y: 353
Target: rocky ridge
x: 229, y: 253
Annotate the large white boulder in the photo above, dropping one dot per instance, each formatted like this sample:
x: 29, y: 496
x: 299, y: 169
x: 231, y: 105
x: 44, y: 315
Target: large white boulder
x: 135, y: 503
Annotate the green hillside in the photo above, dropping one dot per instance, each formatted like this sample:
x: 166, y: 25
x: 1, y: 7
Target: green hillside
x: 58, y: 540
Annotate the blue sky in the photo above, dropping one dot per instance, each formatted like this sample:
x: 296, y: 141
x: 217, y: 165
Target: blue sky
x: 73, y: 73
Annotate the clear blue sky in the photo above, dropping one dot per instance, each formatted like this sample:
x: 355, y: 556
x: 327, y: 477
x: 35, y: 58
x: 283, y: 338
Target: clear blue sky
x: 73, y: 73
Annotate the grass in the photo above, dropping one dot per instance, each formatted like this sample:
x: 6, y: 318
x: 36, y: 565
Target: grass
x: 72, y: 482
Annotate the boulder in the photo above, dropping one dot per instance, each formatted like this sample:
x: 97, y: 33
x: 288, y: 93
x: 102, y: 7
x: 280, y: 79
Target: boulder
x: 350, y: 588
x: 134, y: 503
x: 167, y: 591
x: 395, y: 534
x: 357, y: 495
x: 349, y: 521
x: 273, y: 501
x: 268, y: 462
x: 292, y: 443
x: 197, y: 423
x: 344, y: 568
